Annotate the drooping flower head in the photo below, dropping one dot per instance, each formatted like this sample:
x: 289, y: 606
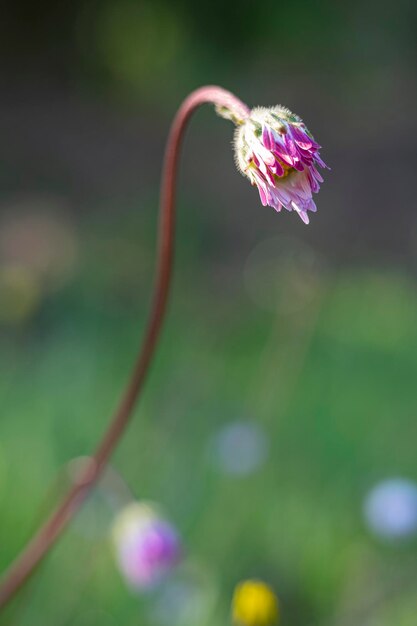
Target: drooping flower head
x: 254, y: 604
x: 278, y: 154
x: 147, y: 545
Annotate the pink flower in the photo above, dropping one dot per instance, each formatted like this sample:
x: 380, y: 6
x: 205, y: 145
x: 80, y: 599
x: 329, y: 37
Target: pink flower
x: 278, y: 154
x: 147, y: 545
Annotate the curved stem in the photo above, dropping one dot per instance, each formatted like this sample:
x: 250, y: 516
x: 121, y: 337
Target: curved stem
x: 52, y: 528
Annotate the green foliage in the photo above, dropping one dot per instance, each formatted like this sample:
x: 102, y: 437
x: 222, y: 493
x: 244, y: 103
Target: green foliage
x: 332, y: 385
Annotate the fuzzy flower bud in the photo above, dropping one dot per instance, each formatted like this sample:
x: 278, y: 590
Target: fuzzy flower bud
x: 278, y: 154
x: 254, y: 604
x: 147, y: 546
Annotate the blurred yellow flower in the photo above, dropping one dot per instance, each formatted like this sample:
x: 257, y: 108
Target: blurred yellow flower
x: 254, y: 604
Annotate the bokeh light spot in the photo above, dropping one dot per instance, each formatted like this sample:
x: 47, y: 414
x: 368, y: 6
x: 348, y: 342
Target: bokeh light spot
x: 390, y: 509
x: 239, y: 448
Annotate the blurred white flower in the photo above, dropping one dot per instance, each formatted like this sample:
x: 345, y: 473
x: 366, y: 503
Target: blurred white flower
x: 240, y: 448
x: 186, y: 599
x: 390, y: 508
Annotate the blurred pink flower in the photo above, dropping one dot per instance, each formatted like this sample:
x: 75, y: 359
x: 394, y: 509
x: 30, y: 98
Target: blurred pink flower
x: 275, y: 150
x: 147, y: 546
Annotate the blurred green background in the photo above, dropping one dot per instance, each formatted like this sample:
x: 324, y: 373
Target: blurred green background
x: 306, y: 336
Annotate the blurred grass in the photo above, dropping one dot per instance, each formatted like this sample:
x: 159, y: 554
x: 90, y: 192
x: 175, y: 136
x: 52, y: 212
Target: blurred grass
x: 332, y: 384
x: 329, y: 373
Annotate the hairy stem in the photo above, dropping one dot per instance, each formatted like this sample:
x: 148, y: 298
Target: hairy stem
x: 45, y: 537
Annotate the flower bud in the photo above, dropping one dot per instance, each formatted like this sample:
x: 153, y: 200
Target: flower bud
x: 278, y: 154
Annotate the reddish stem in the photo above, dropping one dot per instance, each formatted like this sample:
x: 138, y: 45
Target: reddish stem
x: 49, y: 532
